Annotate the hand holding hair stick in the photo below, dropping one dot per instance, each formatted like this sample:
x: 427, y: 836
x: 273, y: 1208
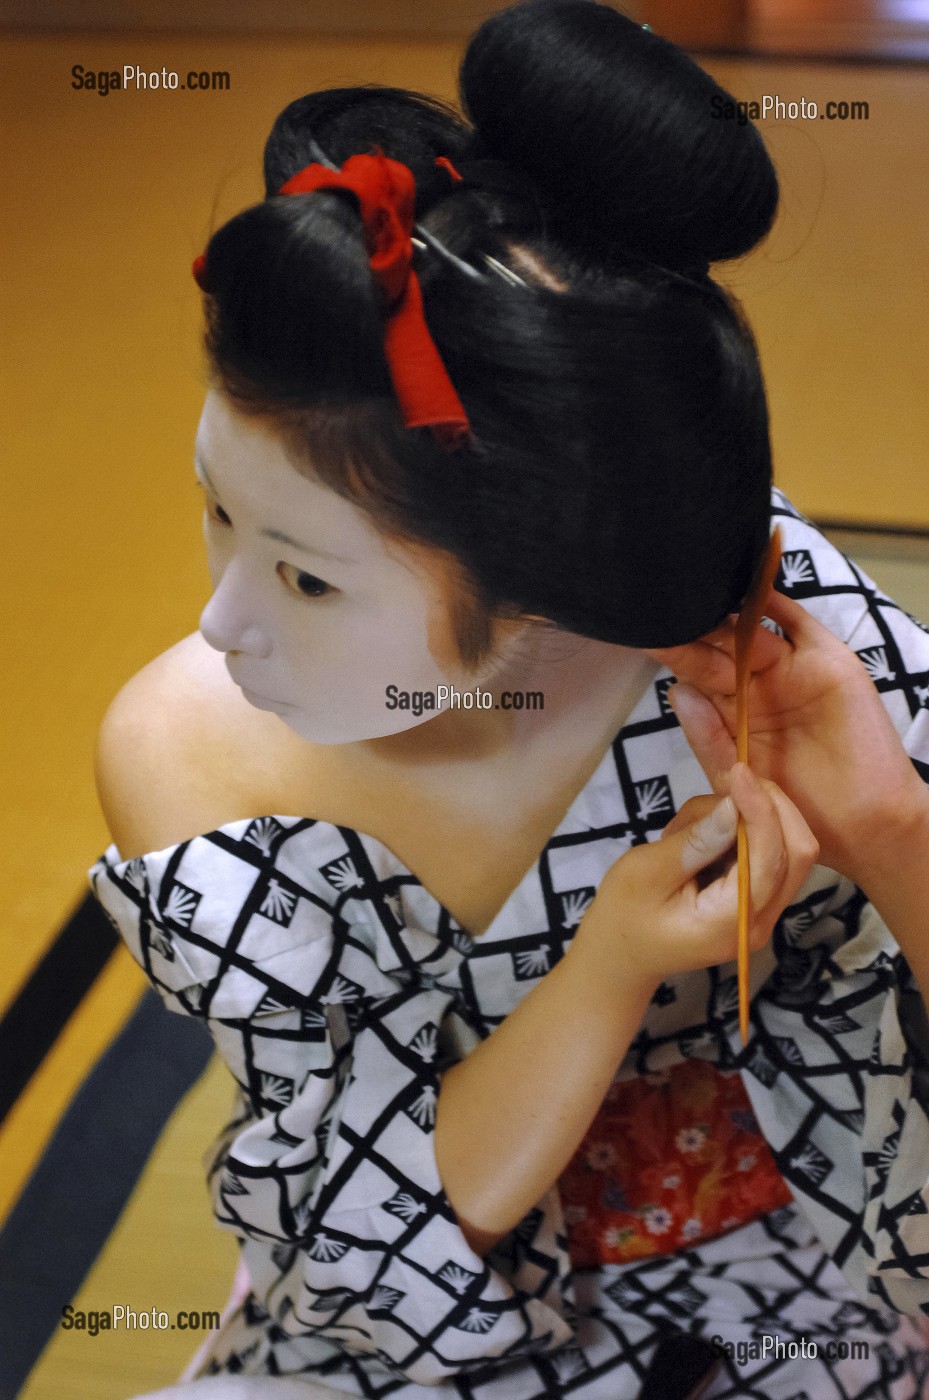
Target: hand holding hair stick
x: 513, y: 1112
x: 749, y: 618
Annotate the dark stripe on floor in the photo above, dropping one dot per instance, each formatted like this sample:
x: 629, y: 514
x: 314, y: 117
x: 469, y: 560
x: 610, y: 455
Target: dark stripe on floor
x: 873, y: 527
x: 74, y: 1198
x: 34, y: 1021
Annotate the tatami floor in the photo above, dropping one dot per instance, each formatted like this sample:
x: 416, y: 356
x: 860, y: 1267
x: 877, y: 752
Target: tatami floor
x: 108, y: 200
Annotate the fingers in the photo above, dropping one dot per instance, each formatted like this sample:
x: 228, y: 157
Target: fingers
x: 705, y: 664
x: 767, y: 647
x: 769, y: 865
x: 810, y: 638
x: 767, y: 843
x: 702, y: 831
x: 672, y: 904
x: 692, y: 810
x: 705, y: 730
x: 705, y: 841
x: 793, y: 617
x: 782, y: 849
x: 709, y: 664
x: 801, y: 845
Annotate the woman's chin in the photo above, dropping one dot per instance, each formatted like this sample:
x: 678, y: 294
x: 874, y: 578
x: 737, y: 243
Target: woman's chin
x: 261, y: 702
x: 335, y: 729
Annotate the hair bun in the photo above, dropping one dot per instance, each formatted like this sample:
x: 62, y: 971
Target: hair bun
x: 617, y: 127
x: 341, y: 122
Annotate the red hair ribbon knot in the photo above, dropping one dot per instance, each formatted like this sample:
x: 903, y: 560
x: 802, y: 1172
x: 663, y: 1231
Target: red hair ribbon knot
x: 385, y: 190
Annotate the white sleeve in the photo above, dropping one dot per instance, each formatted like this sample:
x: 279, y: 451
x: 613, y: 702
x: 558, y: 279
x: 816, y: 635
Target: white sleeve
x: 334, y: 1169
x: 838, y: 1076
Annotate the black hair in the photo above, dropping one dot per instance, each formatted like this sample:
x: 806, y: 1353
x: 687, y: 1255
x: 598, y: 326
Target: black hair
x: 617, y: 481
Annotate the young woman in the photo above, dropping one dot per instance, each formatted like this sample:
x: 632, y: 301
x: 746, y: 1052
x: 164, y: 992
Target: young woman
x: 482, y: 426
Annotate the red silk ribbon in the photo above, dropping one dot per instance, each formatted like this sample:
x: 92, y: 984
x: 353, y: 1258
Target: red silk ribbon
x: 385, y: 190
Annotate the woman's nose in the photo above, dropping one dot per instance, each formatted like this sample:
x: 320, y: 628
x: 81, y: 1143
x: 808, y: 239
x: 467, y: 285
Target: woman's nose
x: 228, y: 622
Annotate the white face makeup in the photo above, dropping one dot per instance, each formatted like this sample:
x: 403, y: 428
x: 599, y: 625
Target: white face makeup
x: 315, y: 613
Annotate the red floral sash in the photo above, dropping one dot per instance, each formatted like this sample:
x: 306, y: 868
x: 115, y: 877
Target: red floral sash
x: 671, y: 1159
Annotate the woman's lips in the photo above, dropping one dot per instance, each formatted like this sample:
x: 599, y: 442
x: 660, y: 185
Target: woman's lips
x: 262, y: 702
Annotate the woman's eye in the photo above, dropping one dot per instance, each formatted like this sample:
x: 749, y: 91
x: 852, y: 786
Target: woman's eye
x: 216, y: 512
x: 301, y: 582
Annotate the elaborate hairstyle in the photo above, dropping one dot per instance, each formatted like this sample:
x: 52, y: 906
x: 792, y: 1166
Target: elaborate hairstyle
x: 618, y: 480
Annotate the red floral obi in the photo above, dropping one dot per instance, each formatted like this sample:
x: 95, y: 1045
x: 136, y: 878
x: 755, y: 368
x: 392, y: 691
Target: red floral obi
x: 671, y: 1159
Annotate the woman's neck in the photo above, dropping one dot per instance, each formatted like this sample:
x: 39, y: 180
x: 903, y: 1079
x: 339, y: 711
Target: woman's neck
x: 571, y: 693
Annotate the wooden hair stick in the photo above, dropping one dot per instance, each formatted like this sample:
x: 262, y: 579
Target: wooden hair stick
x: 748, y: 620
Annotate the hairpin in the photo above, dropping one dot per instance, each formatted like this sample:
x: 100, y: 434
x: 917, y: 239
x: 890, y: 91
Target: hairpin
x: 750, y: 616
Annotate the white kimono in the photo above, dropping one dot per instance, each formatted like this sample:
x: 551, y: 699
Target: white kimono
x: 338, y: 990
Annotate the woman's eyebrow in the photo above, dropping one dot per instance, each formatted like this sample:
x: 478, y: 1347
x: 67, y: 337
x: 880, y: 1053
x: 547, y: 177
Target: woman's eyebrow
x: 203, y: 477
x: 307, y: 548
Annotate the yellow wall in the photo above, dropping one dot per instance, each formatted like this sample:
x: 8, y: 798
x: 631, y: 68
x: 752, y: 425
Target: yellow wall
x: 839, y: 294
x: 106, y: 201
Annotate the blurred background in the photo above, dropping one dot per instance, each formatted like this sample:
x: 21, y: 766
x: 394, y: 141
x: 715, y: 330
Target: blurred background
x: 108, y: 198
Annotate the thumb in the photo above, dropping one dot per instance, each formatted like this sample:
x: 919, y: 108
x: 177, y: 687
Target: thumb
x: 692, y: 847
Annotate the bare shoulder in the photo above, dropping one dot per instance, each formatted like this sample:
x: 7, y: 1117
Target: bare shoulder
x: 179, y: 751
